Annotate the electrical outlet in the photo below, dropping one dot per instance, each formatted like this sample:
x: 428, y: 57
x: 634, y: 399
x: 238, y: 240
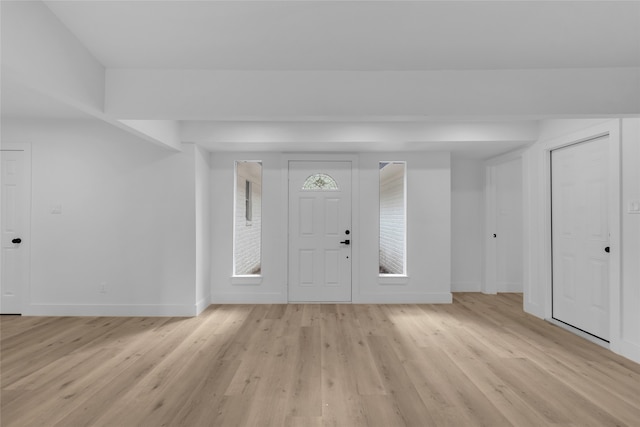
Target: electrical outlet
x: 634, y: 207
x: 103, y: 288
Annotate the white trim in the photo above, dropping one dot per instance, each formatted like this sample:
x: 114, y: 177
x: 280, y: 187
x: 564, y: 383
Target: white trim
x: 249, y: 298
x: 246, y: 280
x: 489, y: 284
x: 286, y: 158
x: 405, y: 298
x: 393, y: 279
x: 99, y: 310
x: 25, y: 292
x: 509, y: 287
x: 627, y: 349
x: 505, y: 158
x: 405, y: 182
x: 235, y: 206
x: 611, y: 129
x: 202, y: 304
x: 466, y: 287
x: 615, y: 230
x: 578, y: 332
x: 490, y: 242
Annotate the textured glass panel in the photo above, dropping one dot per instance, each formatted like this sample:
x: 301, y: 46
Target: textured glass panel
x: 247, y: 246
x: 392, y: 250
x: 320, y: 181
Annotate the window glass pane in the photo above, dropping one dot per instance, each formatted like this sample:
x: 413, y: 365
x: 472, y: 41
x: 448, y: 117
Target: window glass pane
x: 320, y: 181
x: 247, y: 239
x: 392, y: 248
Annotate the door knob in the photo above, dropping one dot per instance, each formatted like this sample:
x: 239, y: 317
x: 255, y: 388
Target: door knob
x: 346, y: 242
x: 606, y: 249
x: 18, y: 240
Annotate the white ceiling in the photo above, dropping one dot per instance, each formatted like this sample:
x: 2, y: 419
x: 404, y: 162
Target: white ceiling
x: 356, y: 35
x: 332, y: 61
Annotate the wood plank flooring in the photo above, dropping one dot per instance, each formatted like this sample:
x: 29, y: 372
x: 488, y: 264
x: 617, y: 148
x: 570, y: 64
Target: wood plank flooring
x: 480, y: 361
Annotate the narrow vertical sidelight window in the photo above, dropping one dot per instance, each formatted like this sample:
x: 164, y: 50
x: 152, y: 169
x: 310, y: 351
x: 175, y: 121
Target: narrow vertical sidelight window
x: 393, y: 223
x: 247, y: 229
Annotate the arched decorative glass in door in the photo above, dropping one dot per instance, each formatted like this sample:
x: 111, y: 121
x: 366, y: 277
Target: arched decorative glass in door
x: 320, y: 181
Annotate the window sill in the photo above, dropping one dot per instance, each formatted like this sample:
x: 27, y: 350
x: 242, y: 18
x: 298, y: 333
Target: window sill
x: 393, y: 279
x: 250, y: 279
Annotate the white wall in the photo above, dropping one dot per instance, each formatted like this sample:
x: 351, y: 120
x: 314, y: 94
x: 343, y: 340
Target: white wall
x: 428, y: 230
x: 625, y: 318
x: 127, y: 222
x: 630, y: 288
x: 392, y: 218
x: 270, y: 287
x: 203, y: 227
x: 467, y: 216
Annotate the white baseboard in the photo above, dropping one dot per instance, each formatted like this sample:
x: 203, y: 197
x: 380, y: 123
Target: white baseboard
x: 627, y: 349
x: 578, y: 332
x: 509, y: 287
x: 404, y: 298
x: 248, y: 298
x: 110, y: 310
x: 534, y: 309
x: 202, y: 304
x: 380, y: 298
x: 466, y: 287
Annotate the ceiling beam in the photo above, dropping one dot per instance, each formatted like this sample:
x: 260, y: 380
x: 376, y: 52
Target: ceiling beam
x: 370, y: 95
x: 41, y: 54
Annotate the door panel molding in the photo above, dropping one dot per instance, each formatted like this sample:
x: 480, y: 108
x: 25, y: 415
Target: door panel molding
x: 355, y: 209
x: 25, y: 232
x: 319, y: 254
x: 537, y: 297
x: 579, y: 176
x: 490, y: 283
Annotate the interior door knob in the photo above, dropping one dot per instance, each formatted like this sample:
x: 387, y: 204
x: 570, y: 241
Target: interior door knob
x: 346, y: 242
x: 607, y: 249
x: 18, y: 240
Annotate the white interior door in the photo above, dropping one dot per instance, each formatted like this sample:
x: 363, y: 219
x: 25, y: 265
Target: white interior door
x: 509, y: 241
x: 320, y: 231
x: 13, y: 226
x: 580, y: 227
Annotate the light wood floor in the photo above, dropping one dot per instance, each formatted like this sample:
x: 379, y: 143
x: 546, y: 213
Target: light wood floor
x: 479, y: 361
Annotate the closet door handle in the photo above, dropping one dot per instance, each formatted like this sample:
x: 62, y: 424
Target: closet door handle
x: 18, y: 240
x: 607, y: 249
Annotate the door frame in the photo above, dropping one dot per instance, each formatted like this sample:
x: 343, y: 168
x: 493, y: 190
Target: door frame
x: 565, y: 324
x: 26, y: 147
x: 355, y: 209
x: 490, y: 277
x: 610, y: 129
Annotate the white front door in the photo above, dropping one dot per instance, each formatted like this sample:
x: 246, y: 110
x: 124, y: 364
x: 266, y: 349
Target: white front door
x: 320, y: 231
x: 14, y: 219
x: 580, y: 227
